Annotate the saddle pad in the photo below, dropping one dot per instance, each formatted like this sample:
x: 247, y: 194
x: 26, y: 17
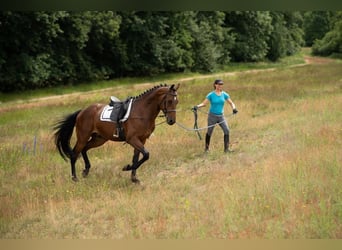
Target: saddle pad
x: 105, y: 115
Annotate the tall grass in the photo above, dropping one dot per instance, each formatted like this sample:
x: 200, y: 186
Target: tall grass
x: 282, y: 181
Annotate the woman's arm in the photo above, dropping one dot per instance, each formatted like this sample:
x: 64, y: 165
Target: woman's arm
x: 204, y: 103
x: 231, y: 103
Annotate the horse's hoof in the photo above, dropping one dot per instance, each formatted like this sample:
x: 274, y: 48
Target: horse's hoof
x: 85, y: 173
x: 75, y: 179
x: 127, y: 168
x: 135, y: 181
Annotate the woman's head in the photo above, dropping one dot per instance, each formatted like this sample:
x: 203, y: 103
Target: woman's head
x: 218, y: 82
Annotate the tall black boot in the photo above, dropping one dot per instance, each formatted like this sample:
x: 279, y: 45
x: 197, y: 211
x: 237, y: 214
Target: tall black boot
x: 207, y: 142
x: 226, y: 144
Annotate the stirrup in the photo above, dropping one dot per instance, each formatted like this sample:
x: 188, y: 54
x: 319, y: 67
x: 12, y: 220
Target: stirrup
x: 117, y: 135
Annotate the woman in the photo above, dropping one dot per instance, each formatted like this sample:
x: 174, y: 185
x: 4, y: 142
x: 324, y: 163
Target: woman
x: 217, y: 99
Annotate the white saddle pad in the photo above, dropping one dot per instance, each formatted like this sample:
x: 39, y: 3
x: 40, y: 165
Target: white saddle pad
x: 105, y: 115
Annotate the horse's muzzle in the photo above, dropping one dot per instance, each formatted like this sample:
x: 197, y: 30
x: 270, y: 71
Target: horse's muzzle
x: 171, y: 121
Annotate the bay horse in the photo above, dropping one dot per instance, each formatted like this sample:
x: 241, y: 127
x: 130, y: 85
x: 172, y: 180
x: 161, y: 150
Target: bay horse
x: 91, y: 132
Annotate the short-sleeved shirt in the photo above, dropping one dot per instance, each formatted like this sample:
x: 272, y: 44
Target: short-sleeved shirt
x: 217, y: 102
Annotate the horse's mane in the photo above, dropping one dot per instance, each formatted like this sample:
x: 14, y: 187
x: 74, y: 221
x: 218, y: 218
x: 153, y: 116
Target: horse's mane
x: 148, y: 91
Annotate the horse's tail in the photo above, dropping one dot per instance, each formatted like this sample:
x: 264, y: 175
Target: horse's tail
x: 64, y: 129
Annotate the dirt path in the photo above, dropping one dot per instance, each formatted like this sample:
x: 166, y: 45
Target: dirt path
x: 317, y: 60
x: 53, y: 100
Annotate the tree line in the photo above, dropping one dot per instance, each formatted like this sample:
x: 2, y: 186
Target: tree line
x: 42, y: 49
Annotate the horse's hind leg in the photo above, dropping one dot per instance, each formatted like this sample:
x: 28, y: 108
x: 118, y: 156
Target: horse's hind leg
x: 79, y: 147
x: 86, y: 162
x: 95, y: 141
x: 73, y: 159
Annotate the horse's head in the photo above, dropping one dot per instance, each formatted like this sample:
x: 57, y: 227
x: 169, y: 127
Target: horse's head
x: 169, y: 104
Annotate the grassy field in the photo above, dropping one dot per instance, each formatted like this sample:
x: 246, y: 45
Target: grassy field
x: 282, y: 182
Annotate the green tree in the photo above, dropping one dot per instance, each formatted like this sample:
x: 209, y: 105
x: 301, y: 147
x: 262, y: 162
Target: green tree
x: 139, y: 32
x: 175, y: 48
x: 316, y: 25
x: 25, y: 54
x: 252, y: 30
x: 212, y: 41
x: 41, y: 49
x: 331, y: 43
x: 103, y: 47
x: 287, y: 36
x: 158, y: 42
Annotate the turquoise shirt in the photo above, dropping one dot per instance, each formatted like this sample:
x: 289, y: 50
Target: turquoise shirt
x: 217, y: 102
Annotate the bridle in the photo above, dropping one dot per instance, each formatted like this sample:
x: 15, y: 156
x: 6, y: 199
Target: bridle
x: 164, y: 101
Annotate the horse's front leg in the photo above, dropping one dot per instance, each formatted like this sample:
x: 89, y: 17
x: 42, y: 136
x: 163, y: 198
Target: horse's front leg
x: 136, y: 163
x: 134, y: 178
x: 131, y: 167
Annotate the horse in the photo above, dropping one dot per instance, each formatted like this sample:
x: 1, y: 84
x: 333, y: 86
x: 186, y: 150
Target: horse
x: 92, y: 132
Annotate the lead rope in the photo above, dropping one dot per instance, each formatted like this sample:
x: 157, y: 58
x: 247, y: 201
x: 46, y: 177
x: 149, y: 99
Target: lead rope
x: 195, y: 124
x: 196, y: 128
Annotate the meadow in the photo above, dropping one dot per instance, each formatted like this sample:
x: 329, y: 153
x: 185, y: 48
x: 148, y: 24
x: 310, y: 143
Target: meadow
x: 282, y: 182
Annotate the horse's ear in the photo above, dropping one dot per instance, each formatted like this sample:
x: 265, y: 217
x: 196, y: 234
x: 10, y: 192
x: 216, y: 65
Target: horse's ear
x: 173, y: 87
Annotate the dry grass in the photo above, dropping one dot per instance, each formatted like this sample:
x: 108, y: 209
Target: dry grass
x: 283, y: 181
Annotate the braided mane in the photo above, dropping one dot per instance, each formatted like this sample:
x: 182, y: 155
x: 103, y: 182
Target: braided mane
x: 149, y: 91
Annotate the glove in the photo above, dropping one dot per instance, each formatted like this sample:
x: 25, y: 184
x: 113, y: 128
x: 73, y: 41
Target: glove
x: 194, y: 108
x: 235, y: 111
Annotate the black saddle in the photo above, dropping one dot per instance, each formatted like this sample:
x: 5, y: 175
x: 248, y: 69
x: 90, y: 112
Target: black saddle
x: 119, y: 108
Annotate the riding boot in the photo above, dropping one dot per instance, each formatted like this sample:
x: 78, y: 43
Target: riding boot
x: 207, y: 142
x: 226, y: 144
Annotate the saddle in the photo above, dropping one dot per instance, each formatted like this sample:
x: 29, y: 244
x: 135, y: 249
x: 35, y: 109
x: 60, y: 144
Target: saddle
x: 119, y: 114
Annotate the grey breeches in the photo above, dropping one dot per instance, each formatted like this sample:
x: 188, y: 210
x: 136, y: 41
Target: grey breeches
x: 213, y: 119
